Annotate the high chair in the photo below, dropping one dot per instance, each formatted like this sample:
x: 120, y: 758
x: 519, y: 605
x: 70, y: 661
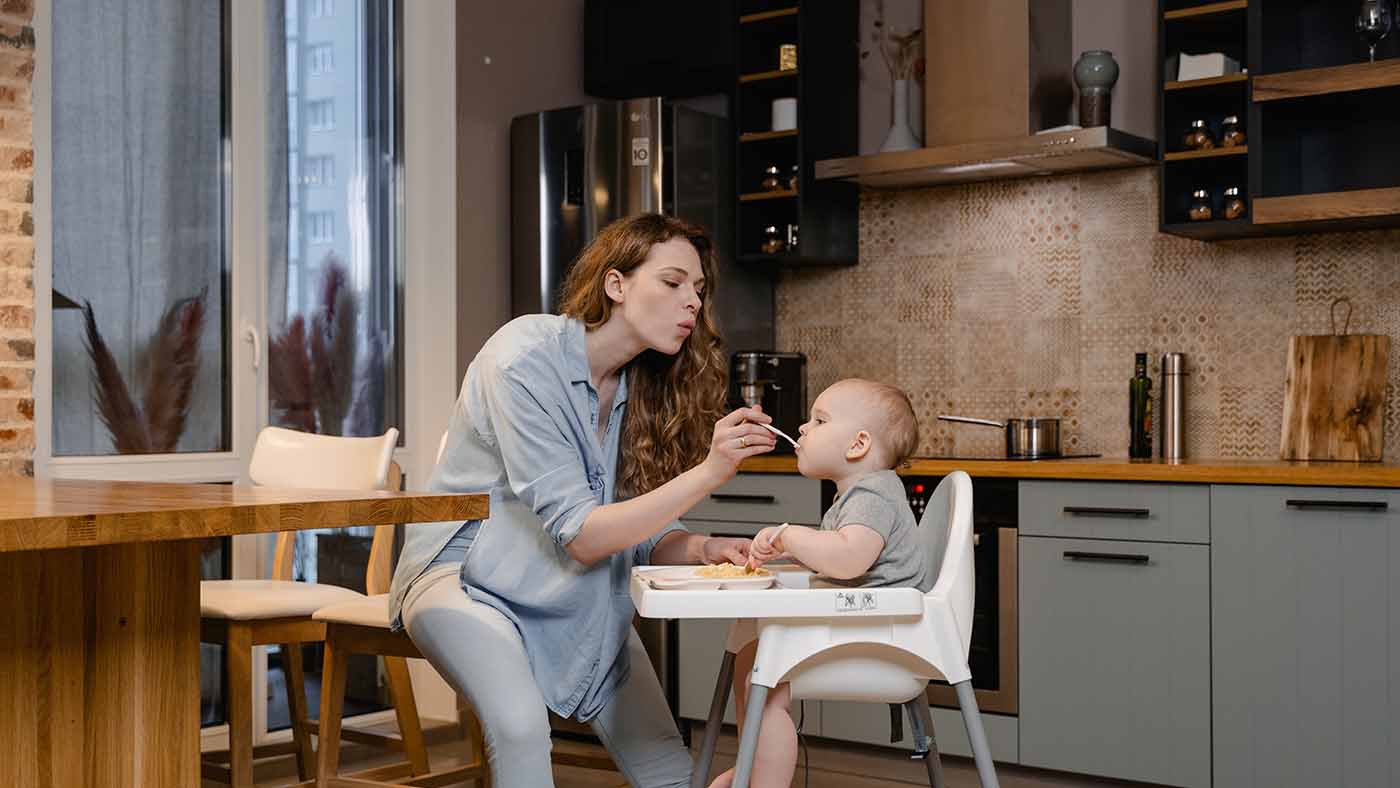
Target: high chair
x: 878, y: 645
x: 244, y: 614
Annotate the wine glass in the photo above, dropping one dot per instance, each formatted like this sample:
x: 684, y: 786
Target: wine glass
x: 1373, y: 23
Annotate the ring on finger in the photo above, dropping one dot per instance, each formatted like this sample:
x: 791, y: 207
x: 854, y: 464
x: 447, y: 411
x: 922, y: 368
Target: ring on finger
x: 743, y: 441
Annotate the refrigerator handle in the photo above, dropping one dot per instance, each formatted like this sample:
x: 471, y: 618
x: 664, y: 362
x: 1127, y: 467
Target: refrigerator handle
x: 573, y: 176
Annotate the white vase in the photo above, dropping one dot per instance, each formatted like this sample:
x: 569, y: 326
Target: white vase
x: 900, y: 137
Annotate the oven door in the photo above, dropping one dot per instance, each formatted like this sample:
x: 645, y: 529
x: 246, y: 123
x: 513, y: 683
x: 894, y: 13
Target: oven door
x: 993, y: 682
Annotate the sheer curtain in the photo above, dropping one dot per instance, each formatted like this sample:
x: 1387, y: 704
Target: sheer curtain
x: 138, y: 205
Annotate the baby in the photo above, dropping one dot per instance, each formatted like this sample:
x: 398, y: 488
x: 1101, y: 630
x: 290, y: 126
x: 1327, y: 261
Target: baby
x: 859, y: 431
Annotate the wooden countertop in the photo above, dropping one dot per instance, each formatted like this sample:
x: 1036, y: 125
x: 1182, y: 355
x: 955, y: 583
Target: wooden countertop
x: 42, y: 514
x: 1194, y: 471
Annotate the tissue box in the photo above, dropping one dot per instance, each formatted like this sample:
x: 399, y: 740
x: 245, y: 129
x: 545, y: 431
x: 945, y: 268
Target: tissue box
x: 1205, y: 66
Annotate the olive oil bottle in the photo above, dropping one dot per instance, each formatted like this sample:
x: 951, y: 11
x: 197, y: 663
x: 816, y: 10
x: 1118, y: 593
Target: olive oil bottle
x: 1140, y: 411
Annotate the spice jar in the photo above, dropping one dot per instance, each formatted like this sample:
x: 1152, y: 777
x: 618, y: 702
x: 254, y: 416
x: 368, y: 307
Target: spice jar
x: 770, y: 179
x: 1231, y: 134
x: 1198, y: 137
x: 792, y: 179
x: 1200, y: 206
x: 1234, y: 203
x: 791, y: 237
x: 775, y: 243
x: 787, y: 57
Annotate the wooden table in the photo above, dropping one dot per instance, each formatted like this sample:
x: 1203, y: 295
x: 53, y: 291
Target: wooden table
x: 99, y: 615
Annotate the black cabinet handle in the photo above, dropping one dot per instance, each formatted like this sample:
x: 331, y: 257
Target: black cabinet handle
x: 739, y: 498
x: 1369, y: 506
x: 1113, y: 558
x: 1105, y: 511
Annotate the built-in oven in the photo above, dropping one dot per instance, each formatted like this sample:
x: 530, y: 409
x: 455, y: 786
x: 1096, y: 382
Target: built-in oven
x: 993, y: 653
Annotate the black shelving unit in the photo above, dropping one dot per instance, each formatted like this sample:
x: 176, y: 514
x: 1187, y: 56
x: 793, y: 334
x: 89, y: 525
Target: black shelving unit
x: 1320, y: 122
x: 825, y: 86
x: 1196, y: 27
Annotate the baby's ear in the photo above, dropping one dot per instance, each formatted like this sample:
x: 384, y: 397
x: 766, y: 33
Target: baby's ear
x: 860, y: 446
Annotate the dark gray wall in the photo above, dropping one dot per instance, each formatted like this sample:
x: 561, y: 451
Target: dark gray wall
x: 512, y: 58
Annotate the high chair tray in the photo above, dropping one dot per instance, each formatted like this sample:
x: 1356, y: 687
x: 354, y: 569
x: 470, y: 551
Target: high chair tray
x: 787, y: 599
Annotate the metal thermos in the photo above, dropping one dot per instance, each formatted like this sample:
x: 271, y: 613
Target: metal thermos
x: 1173, y: 409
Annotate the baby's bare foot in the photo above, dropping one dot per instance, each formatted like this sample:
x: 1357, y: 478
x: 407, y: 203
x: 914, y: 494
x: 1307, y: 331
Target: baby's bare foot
x: 724, y: 780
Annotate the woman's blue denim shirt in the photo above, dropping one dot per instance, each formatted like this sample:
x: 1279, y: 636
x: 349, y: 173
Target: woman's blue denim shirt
x: 524, y: 430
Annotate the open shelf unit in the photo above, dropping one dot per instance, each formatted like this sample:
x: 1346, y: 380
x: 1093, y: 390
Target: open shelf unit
x: 1182, y: 155
x: 1209, y: 82
x: 1327, y: 81
x: 824, y: 214
x: 1197, y: 28
x: 763, y: 16
x: 1189, y: 11
x: 1320, y: 123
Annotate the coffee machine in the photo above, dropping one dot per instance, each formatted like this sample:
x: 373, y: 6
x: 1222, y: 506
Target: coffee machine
x: 777, y: 381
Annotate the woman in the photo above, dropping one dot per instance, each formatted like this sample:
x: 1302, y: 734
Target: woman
x: 529, y: 609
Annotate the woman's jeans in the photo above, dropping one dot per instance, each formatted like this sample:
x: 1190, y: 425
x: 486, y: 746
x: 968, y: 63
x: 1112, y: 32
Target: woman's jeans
x: 480, y: 653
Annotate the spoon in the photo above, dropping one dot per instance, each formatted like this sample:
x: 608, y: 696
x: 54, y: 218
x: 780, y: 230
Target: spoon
x: 778, y: 432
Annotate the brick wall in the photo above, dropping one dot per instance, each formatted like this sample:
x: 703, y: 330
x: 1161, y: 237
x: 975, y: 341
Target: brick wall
x: 16, y: 239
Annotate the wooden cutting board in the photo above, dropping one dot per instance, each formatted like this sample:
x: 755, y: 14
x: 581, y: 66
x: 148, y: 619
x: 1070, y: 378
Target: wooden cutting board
x: 1334, y: 397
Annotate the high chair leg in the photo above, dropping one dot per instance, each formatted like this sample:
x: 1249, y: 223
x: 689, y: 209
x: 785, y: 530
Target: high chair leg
x: 701, y: 776
x: 921, y: 730
x: 748, y: 743
x: 972, y: 718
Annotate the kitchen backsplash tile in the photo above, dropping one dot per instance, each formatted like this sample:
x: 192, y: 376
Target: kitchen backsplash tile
x: 1030, y: 297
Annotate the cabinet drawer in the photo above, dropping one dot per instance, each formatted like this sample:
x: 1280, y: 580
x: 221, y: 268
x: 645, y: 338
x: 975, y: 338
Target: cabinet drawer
x: 1115, y: 659
x: 1115, y: 510
x: 763, y: 498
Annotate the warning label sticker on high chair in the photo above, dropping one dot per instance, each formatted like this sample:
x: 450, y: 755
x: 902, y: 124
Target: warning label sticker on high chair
x: 855, y: 601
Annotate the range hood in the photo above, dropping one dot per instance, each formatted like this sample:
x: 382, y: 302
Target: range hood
x: 1008, y: 115
x: 1076, y: 150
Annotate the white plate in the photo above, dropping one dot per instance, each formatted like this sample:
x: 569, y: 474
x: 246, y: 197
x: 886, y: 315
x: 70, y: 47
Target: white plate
x: 684, y: 577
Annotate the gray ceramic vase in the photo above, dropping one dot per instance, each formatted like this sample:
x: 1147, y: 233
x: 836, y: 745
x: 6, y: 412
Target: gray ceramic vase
x: 1095, y: 74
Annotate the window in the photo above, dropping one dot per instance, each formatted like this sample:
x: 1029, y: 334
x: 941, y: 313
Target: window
x: 321, y: 227
x: 339, y: 279
x: 320, y: 115
x: 319, y: 171
x: 321, y: 58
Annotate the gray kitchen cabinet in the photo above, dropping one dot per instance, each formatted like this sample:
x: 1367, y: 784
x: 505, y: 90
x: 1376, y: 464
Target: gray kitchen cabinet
x: 1305, y: 602
x: 1115, y: 659
x: 763, y: 498
x: 1151, y: 512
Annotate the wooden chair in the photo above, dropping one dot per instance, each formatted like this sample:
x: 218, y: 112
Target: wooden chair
x: 242, y: 614
x: 361, y: 626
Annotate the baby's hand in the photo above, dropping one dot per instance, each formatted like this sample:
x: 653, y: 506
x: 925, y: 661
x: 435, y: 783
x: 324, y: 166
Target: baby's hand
x: 767, y: 545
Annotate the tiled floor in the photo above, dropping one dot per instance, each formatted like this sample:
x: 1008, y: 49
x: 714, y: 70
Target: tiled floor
x: 831, y: 766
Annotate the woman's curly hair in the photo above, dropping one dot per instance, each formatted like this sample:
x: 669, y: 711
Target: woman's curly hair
x: 672, y: 401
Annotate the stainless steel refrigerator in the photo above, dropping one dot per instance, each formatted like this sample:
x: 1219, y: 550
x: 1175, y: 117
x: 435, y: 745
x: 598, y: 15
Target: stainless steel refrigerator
x: 576, y: 169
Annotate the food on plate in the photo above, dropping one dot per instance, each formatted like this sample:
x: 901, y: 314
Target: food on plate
x: 727, y: 569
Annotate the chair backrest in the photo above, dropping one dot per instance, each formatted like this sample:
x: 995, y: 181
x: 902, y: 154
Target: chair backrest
x: 287, y: 458
x: 946, y: 530
x: 379, y: 574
